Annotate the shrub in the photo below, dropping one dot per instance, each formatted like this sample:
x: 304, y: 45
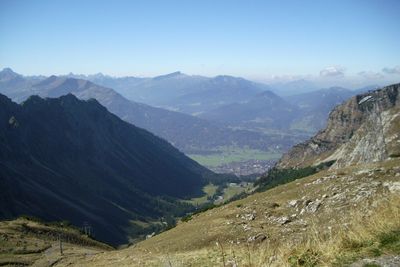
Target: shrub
x: 275, y: 176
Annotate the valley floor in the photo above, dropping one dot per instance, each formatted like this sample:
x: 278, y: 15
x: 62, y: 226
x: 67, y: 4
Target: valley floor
x: 238, y: 161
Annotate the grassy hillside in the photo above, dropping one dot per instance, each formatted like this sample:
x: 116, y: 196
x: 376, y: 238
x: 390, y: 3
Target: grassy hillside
x: 26, y: 241
x: 330, y: 218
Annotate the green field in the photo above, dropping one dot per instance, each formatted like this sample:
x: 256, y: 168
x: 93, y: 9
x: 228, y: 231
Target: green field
x: 209, y: 191
x: 226, y: 155
x: 233, y: 190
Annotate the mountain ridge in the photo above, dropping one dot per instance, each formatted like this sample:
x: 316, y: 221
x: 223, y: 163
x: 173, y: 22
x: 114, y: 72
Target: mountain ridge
x: 186, y: 132
x: 69, y: 159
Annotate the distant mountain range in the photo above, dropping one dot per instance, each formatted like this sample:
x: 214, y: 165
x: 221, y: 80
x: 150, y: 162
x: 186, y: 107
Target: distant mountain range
x: 295, y: 87
x: 68, y: 159
x: 229, y: 111
x: 151, y: 91
x: 300, y: 105
x: 188, y: 133
x: 265, y: 110
x: 314, y: 107
x: 15, y: 85
x: 181, y: 92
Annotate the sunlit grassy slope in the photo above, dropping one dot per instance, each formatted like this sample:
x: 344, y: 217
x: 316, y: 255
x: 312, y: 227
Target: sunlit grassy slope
x: 26, y: 242
x: 327, y: 219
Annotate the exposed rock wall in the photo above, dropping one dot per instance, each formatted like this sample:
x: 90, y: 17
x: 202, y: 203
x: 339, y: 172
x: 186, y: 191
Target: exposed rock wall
x: 363, y: 129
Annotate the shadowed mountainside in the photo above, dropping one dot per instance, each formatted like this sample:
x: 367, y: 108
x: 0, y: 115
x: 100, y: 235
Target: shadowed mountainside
x: 69, y: 159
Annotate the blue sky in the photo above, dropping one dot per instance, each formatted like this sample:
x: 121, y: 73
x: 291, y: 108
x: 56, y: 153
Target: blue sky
x: 254, y: 39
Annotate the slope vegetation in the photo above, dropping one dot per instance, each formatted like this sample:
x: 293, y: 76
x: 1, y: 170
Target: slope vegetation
x: 29, y: 242
x: 331, y: 218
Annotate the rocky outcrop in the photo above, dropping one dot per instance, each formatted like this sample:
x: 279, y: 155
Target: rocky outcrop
x: 363, y: 129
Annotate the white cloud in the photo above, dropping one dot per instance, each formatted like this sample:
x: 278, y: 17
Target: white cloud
x: 332, y: 71
x: 371, y: 75
x: 395, y: 70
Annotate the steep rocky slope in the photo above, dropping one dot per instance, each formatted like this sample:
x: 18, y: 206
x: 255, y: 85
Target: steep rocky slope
x: 363, y: 129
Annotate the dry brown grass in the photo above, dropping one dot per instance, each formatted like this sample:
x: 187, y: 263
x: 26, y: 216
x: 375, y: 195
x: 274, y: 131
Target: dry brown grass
x: 339, y: 233
x: 28, y: 242
x: 363, y: 237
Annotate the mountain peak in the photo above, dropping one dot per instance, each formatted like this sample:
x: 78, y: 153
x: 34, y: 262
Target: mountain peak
x: 8, y: 70
x: 4, y: 99
x: 69, y: 97
x: 98, y: 75
x: 52, y: 78
x: 337, y: 88
x: 32, y: 100
x: 227, y: 78
x: 8, y: 74
x: 266, y: 94
x: 169, y: 75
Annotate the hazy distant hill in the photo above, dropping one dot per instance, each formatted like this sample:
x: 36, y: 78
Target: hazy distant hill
x: 68, y: 159
x: 293, y: 87
x: 266, y: 110
x: 315, y: 106
x: 154, y: 91
x: 181, y: 92
x: 217, y: 92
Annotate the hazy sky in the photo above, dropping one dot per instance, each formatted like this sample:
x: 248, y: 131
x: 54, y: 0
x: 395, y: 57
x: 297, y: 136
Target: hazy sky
x: 253, y: 39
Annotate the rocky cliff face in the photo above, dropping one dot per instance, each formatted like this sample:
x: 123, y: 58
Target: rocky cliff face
x: 363, y: 129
